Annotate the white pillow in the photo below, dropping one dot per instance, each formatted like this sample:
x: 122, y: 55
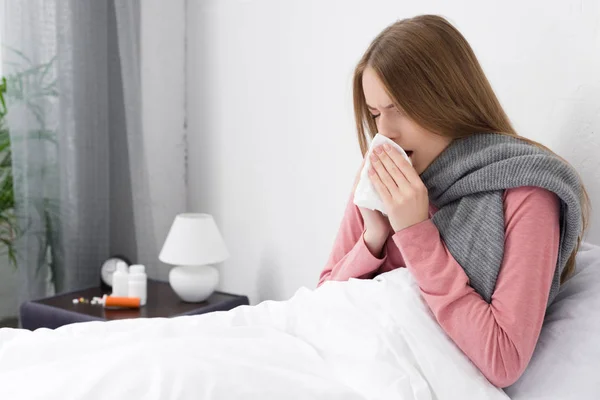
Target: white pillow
x: 566, y: 361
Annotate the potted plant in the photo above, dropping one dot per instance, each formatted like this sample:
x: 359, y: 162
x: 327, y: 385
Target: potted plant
x: 8, y: 223
x: 30, y: 86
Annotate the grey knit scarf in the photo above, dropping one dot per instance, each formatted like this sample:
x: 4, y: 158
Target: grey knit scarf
x: 466, y: 182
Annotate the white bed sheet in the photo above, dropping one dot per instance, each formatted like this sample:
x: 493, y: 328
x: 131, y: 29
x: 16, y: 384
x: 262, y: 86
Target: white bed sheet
x: 361, y: 339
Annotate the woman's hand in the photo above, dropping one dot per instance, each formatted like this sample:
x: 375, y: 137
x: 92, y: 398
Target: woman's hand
x: 377, y: 230
x: 376, y: 225
x: 402, y: 191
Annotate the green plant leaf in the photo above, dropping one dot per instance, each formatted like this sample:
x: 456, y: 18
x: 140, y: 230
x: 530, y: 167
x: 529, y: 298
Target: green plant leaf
x: 32, y: 87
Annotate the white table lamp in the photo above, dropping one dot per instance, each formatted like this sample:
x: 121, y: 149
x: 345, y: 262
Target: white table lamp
x: 193, y: 244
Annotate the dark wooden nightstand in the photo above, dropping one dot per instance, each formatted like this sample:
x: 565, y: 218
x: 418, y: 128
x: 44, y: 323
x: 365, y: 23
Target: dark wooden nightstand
x: 56, y: 311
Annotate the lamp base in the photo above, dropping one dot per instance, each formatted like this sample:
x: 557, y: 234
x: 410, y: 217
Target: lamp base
x: 194, y: 284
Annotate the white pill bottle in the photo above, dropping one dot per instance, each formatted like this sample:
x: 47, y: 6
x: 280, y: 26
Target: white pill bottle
x: 138, y: 283
x: 120, y: 280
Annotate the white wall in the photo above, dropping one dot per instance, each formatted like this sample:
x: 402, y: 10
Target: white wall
x: 272, y: 147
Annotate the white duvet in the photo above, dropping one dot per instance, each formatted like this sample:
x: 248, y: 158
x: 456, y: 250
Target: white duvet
x: 361, y: 339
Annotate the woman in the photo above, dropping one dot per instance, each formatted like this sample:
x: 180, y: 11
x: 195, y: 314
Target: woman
x: 487, y: 222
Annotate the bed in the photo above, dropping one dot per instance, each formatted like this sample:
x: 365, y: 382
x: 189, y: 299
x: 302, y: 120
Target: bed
x: 361, y: 339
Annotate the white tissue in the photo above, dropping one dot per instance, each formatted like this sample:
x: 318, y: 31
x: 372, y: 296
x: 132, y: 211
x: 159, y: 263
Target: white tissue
x: 365, y: 194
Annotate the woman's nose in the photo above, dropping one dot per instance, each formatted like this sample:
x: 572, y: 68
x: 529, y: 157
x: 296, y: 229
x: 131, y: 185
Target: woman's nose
x: 384, y: 127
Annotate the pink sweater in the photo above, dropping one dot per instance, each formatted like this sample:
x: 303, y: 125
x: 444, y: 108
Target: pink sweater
x: 499, y: 337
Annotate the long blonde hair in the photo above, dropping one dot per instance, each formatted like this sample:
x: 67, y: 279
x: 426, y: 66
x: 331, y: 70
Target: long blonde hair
x: 432, y: 74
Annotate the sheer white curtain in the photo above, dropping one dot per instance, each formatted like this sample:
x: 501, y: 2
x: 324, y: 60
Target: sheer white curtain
x: 74, y: 115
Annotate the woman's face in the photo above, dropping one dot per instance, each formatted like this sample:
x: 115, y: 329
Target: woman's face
x: 424, y: 145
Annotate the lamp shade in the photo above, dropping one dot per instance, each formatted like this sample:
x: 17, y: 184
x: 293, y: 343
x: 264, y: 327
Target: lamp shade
x: 193, y: 239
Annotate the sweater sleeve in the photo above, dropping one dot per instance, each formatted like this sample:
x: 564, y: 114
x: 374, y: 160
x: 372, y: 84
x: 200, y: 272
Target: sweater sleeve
x: 350, y: 256
x: 498, y: 337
